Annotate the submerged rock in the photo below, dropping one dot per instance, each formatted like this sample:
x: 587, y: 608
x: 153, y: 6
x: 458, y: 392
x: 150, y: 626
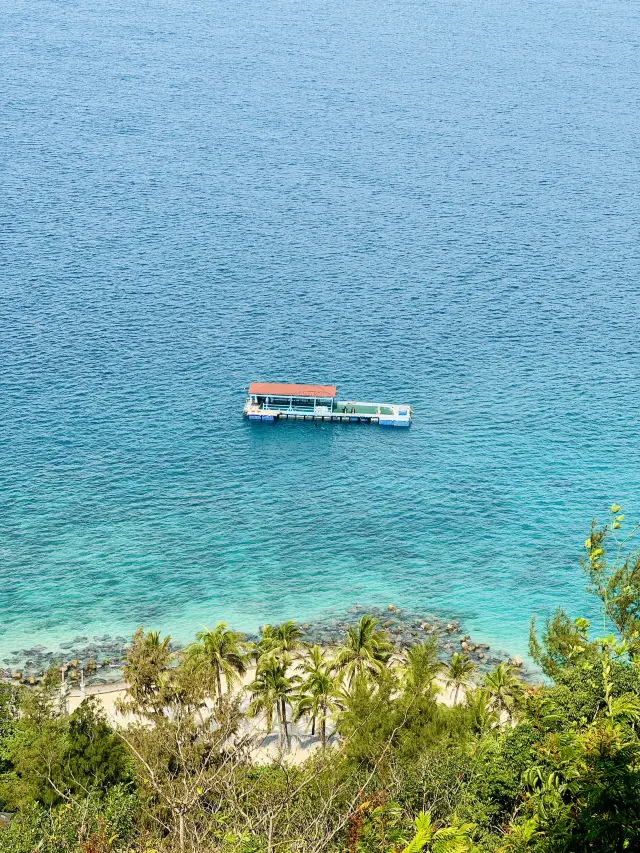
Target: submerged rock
x: 103, y: 657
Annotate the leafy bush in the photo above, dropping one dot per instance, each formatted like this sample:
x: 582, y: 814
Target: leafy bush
x: 91, y: 824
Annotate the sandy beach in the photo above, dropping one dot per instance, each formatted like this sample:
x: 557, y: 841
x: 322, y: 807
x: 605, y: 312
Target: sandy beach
x: 268, y: 749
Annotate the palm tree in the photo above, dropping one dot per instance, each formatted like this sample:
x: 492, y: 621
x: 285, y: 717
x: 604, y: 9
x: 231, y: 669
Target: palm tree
x: 316, y: 697
x: 366, y: 650
x: 271, y: 690
x: 484, y: 718
x: 264, y: 645
x: 219, y: 652
x: 287, y: 636
x: 286, y: 686
x: 421, y: 666
x: 313, y: 670
x: 504, y: 688
x: 279, y: 638
x: 274, y: 649
x: 459, y: 673
x: 265, y: 698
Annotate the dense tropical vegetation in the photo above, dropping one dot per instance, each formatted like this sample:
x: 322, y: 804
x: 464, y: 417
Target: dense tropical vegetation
x: 204, y: 758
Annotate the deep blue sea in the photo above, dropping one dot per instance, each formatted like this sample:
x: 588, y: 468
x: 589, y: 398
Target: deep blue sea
x: 433, y: 203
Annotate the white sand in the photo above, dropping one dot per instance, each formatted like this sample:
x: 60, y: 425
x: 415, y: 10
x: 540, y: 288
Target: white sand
x: 303, y: 743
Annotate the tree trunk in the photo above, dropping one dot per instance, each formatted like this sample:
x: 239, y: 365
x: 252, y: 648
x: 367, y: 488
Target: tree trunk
x: 313, y: 725
x: 284, y: 720
x: 323, y: 730
x: 280, y: 731
x: 455, y: 698
x: 181, y: 831
x: 219, y: 681
x: 270, y: 836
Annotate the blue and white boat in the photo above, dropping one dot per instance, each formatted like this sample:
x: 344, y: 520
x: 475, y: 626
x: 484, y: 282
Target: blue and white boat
x: 273, y: 401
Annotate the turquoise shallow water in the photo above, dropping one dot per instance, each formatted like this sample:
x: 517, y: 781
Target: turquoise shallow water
x: 430, y: 203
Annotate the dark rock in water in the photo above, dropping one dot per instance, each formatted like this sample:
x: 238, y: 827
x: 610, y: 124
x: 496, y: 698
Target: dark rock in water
x: 103, y: 658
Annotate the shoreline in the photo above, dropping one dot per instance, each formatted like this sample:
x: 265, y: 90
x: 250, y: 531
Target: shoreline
x: 266, y: 746
x: 101, y: 658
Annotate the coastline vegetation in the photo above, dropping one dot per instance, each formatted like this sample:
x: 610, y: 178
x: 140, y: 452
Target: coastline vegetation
x: 504, y: 766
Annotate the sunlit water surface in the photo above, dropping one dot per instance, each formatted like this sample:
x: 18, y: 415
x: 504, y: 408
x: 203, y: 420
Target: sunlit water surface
x: 426, y: 203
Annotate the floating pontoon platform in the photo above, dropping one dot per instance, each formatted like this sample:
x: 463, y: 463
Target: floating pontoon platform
x: 272, y: 401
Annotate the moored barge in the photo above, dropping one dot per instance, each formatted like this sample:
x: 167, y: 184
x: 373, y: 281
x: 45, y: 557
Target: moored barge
x: 274, y: 401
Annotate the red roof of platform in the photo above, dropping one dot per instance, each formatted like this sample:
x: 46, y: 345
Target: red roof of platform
x: 279, y: 389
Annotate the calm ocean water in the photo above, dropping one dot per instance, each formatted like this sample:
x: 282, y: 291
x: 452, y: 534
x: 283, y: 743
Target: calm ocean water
x: 430, y: 203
